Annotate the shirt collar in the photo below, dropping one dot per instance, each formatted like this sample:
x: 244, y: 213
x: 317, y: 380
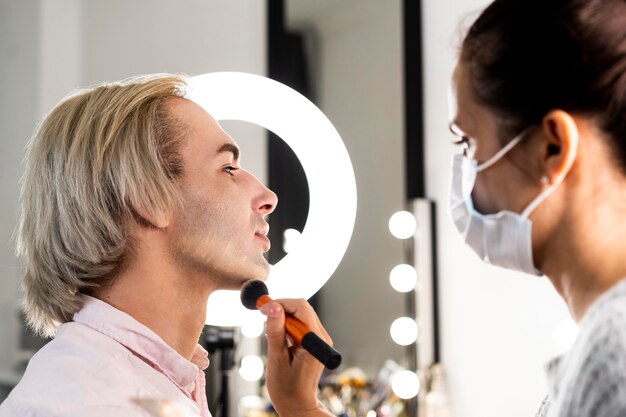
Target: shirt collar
x: 143, y: 342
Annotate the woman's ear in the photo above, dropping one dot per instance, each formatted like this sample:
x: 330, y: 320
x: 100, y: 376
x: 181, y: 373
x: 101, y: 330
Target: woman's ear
x: 562, y: 134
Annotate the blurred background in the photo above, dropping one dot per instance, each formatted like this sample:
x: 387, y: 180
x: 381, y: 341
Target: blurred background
x: 380, y: 70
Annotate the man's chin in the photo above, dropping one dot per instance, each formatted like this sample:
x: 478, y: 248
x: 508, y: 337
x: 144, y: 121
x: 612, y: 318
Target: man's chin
x: 263, y: 271
x: 260, y: 271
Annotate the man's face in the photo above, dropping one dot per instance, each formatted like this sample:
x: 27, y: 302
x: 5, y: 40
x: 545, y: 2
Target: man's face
x: 221, y: 231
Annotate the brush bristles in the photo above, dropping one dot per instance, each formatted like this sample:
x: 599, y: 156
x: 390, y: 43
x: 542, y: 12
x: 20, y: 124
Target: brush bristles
x: 251, y: 291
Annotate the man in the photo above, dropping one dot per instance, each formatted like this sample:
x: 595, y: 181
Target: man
x: 134, y: 210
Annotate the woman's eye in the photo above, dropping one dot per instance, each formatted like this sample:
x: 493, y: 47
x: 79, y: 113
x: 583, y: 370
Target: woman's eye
x: 463, y: 140
x: 466, y: 143
x: 230, y: 169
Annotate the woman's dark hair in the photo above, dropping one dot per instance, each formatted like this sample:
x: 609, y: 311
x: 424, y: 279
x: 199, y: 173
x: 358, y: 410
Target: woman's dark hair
x: 527, y: 57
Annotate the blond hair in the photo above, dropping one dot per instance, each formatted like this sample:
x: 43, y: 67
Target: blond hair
x: 100, y: 154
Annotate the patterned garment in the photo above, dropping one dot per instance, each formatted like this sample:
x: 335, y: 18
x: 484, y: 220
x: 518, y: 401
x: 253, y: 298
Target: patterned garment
x: 590, y: 379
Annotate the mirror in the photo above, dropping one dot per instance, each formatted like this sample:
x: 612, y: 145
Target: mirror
x: 354, y: 68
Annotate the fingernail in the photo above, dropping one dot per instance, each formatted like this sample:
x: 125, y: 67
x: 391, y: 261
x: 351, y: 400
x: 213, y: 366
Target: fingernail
x: 271, y: 310
x: 275, y: 311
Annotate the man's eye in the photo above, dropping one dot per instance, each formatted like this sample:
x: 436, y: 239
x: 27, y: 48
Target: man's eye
x: 230, y: 170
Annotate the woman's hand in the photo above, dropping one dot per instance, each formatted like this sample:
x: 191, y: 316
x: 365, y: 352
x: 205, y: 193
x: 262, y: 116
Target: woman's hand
x: 292, y: 373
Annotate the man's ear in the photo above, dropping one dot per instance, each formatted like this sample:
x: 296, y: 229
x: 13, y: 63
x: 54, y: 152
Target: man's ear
x: 562, y: 134
x: 146, y: 219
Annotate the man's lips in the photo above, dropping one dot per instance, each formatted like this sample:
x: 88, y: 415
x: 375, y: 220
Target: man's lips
x: 264, y: 241
x: 263, y: 230
x: 261, y: 234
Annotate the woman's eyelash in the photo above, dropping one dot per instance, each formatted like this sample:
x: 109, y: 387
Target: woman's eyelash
x: 466, y: 143
x: 463, y: 140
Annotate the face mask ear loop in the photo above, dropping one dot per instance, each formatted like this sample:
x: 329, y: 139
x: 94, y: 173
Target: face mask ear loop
x: 543, y: 195
x: 539, y: 199
x: 502, y: 152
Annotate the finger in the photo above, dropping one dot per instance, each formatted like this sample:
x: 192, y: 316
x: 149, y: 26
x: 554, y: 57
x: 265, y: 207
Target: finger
x: 306, y: 362
x: 275, y: 332
x: 303, y: 311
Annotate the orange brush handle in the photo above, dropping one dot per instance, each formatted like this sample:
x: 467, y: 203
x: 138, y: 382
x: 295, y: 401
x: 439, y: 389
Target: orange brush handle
x: 295, y: 328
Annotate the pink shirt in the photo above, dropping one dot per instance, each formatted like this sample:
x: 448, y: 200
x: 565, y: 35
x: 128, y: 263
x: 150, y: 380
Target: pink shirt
x: 105, y: 363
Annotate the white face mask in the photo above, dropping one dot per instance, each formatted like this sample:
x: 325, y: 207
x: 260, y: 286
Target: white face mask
x: 504, y: 238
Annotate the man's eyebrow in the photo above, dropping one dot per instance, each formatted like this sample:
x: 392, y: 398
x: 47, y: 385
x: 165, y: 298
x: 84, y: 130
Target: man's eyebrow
x: 229, y: 147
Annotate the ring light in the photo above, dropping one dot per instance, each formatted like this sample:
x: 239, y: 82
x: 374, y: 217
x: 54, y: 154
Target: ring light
x: 332, y: 187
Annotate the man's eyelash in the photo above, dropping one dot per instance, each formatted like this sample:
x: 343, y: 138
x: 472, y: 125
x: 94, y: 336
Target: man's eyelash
x: 230, y: 169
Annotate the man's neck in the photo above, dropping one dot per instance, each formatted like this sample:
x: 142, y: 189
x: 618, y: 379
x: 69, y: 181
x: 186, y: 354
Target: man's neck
x: 165, y: 301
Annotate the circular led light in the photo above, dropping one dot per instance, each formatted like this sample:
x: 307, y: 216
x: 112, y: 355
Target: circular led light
x: 251, y: 368
x: 405, y: 384
x: 402, y: 225
x: 404, y: 331
x: 332, y: 193
x: 403, y: 278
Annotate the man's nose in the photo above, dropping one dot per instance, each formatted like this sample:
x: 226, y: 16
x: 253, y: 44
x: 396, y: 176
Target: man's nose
x: 266, y: 203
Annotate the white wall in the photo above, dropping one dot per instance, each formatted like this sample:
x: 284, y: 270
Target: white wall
x: 496, y: 325
x: 61, y: 41
x: 358, y: 69
x: 19, y: 89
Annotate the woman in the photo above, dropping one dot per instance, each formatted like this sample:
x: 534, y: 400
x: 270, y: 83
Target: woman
x: 552, y: 200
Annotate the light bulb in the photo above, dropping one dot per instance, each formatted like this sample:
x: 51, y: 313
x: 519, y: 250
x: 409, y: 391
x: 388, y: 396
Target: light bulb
x: 403, y: 278
x: 251, y: 368
x: 404, y: 331
x: 402, y: 225
x: 565, y: 333
x: 250, y: 404
x: 405, y: 384
x: 291, y: 238
x: 252, y: 327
